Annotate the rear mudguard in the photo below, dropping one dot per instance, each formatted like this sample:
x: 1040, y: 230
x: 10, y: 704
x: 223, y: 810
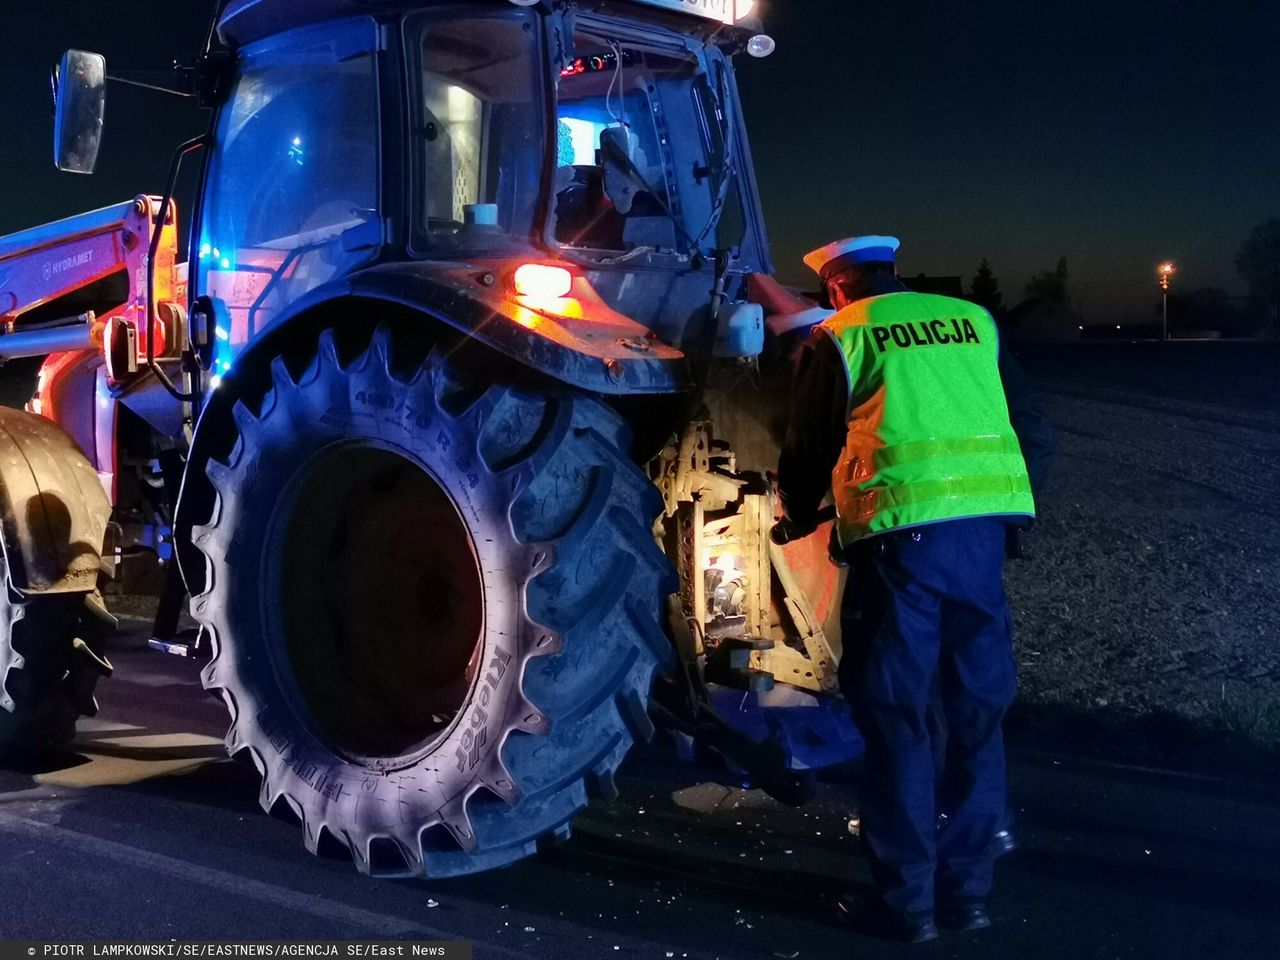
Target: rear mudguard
x: 578, y: 340
x: 53, y: 510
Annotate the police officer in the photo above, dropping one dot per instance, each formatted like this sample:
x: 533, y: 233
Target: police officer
x: 900, y: 411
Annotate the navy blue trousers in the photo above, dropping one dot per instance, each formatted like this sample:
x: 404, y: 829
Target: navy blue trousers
x: 927, y: 658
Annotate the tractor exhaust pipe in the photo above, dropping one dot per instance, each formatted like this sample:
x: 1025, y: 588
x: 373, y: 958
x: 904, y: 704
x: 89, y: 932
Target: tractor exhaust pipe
x: 61, y: 337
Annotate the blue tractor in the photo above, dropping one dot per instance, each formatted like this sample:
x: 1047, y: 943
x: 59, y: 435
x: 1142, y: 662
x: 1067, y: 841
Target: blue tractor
x: 457, y: 421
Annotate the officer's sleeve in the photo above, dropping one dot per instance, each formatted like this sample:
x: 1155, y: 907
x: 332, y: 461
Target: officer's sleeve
x: 817, y: 428
x: 1035, y: 432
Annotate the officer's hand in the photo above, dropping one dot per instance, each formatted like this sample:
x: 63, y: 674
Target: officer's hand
x: 774, y: 297
x: 786, y: 530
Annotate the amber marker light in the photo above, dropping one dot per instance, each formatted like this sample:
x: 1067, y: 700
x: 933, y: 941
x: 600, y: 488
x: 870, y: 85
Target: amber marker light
x: 541, y: 281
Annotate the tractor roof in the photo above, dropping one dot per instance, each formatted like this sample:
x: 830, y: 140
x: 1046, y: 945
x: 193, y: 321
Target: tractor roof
x: 243, y: 21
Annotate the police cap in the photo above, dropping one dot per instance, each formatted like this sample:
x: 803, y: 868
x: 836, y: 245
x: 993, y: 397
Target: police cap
x: 837, y: 257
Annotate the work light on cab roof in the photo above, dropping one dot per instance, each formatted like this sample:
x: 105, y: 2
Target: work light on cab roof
x: 729, y: 12
x: 726, y: 11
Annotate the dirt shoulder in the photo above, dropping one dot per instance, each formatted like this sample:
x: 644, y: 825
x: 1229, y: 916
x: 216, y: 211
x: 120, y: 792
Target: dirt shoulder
x: 1148, y: 608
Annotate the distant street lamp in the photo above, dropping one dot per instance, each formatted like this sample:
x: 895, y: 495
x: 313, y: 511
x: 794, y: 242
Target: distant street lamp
x: 1167, y: 270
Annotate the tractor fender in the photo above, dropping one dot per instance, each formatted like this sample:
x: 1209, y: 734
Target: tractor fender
x: 53, y: 510
x: 596, y: 349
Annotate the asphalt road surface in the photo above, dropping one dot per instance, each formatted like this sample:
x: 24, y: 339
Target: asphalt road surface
x: 143, y: 830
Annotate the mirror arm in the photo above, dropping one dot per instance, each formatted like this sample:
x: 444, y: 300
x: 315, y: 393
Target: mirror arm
x: 180, y: 81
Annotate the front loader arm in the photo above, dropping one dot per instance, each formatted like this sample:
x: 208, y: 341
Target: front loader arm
x: 41, y: 266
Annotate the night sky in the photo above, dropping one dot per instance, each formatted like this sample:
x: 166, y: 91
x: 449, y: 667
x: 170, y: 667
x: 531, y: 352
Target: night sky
x: 1117, y: 134
x: 1114, y: 133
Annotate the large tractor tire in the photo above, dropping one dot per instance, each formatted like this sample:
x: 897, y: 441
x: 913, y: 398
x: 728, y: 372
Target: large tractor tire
x: 434, y: 607
x: 51, y: 658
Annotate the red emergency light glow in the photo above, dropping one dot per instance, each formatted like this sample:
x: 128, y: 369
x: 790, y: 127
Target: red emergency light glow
x: 596, y: 64
x: 542, y: 281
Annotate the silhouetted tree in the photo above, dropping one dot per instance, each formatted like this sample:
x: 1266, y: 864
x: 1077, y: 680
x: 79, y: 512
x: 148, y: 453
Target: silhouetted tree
x: 985, y: 289
x: 1051, y: 286
x: 1259, y: 264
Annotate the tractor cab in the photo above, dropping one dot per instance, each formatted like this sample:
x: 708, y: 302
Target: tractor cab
x: 606, y: 137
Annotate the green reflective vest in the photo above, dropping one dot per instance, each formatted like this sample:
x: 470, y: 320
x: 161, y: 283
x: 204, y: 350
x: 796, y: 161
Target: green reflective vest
x: 929, y: 432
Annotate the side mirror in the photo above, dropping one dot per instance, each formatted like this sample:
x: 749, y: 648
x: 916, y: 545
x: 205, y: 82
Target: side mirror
x: 79, y: 104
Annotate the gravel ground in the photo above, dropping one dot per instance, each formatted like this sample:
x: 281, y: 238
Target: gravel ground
x: 1154, y: 583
